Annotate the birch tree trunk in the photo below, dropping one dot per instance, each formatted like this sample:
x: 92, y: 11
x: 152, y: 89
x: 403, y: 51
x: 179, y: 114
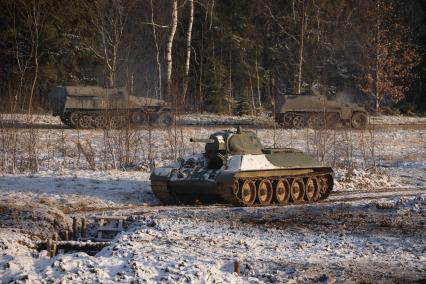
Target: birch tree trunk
x: 169, y: 50
x: 377, y: 101
x: 110, y: 31
x: 258, y: 82
x: 302, y: 37
x: 159, y: 93
x: 188, y: 49
x: 34, y: 17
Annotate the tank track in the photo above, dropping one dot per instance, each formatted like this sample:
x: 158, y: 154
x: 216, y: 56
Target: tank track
x: 320, y: 120
x: 72, y: 119
x: 325, y: 187
x: 112, y: 120
x: 159, y: 188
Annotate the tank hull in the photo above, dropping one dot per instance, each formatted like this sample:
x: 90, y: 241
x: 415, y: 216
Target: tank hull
x: 96, y: 107
x: 316, y: 111
x: 221, y: 188
x: 235, y: 169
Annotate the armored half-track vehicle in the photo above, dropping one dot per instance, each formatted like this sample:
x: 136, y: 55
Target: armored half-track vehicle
x: 237, y: 170
x: 97, y: 107
x: 318, y: 111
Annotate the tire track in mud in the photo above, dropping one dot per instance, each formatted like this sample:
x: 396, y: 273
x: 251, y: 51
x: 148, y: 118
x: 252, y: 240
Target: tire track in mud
x: 335, y: 197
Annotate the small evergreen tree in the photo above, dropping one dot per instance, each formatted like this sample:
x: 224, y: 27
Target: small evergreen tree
x: 217, y: 87
x: 243, y: 106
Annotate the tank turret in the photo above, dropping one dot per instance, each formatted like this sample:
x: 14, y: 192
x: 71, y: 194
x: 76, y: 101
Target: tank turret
x: 236, y: 169
x: 230, y: 142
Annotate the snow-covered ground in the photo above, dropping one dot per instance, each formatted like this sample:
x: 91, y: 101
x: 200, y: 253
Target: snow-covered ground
x: 381, y: 242
x: 379, y: 239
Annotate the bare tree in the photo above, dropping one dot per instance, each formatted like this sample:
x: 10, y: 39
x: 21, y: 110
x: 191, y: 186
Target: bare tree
x: 109, y: 19
x: 188, y: 49
x: 169, y: 49
x: 303, y: 20
x: 34, y: 15
x: 22, y: 57
x: 157, y: 52
x: 388, y: 54
x: 294, y: 28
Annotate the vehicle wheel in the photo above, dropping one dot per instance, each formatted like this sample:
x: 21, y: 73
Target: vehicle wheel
x: 138, y: 117
x: 316, y: 121
x: 74, y: 119
x: 248, y: 193
x: 65, y: 120
x: 117, y: 122
x: 299, y: 121
x: 282, y: 191
x: 236, y: 187
x: 85, y: 121
x: 297, y: 190
x: 322, y: 184
x: 311, y: 189
x: 288, y: 119
x: 325, y: 183
x: 359, y: 120
x: 165, y: 119
x: 332, y: 119
x: 100, y: 121
x: 264, y: 192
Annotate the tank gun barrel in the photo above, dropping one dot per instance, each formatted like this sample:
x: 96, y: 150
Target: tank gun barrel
x: 201, y: 140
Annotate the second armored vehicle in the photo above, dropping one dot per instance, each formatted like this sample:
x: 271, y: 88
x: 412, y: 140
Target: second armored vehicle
x: 97, y: 107
x: 236, y: 169
x: 317, y: 111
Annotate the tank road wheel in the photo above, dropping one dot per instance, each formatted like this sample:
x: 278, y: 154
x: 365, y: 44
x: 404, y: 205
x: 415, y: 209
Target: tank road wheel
x: 138, y: 117
x: 85, y: 121
x: 288, y: 119
x: 332, y: 119
x: 165, y: 119
x: 74, y: 119
x: 100, y: 121
x: 311, y: 189
x: 248, y: 193
x: 117, y: 122
x: 297, y: 190
x: 265, y: 192
x: 324, y: 184
x: 299, y: 121
x: 316, y: 121
x: 282, y: 191
x: 359, y: 120
x: 235, y: 187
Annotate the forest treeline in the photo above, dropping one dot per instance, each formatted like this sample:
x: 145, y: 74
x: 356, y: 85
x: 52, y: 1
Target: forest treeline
x: 215, y: 55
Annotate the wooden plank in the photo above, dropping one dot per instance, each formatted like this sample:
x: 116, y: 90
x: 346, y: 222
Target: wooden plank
x: 112, y: 218
x: 109, y: 229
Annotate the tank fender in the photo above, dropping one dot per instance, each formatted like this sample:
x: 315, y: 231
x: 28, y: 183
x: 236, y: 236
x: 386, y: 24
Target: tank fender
x: 161, y: 174
x: 224, y: 179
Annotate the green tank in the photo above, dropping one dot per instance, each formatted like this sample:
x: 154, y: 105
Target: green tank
x: 236, y: 169
x: 97, y: 107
